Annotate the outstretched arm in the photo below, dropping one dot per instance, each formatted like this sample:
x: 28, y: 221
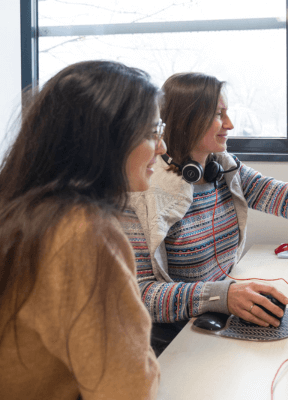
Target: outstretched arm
x: 171, y: 301
x: 263, y: 193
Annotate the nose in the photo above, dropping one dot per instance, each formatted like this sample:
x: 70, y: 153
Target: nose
x: 227, y: 123
x: 161, y: 148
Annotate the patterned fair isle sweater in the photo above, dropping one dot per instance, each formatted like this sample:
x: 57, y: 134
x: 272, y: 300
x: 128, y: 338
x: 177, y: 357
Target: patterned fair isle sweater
x: 190, y: 244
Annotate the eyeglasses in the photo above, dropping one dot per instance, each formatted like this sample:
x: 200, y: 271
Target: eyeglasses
x: 158, y: 135
x: 160, y: 129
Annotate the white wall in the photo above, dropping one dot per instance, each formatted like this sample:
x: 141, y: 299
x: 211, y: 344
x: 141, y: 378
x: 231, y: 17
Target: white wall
x: 262, y: 228
x: 10, y: 64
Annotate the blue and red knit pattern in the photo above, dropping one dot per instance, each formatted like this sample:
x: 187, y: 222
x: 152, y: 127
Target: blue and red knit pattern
x: 190, y: 245
x: 190, y: 242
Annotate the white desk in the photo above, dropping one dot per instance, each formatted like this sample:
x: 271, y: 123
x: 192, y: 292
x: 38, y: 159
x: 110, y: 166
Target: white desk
x: 199, y: 366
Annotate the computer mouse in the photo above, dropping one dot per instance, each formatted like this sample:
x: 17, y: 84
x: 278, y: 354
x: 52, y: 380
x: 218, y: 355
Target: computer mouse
x: 274, y: 301
x: 211, y: 321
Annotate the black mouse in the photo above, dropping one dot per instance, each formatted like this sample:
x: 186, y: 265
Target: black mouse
x: 211, y: 321
x: 274, y: 301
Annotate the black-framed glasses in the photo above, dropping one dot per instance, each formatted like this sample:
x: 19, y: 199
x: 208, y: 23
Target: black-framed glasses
x: 158, y: 135
x: 160, y: 132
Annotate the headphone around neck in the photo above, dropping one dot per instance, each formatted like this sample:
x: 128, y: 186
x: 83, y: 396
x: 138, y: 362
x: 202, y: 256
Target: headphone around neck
x: 192, y: 171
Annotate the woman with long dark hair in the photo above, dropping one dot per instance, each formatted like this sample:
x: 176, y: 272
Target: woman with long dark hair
x: 71, y: 318
x: 194, y: 215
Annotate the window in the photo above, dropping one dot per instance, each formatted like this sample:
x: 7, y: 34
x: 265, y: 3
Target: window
x: 242, y: 43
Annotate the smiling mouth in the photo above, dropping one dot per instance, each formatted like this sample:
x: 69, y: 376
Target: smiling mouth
x: 151, y: 164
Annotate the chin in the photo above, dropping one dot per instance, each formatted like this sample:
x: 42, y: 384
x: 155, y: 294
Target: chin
x: 140, y: 187
x: 145, y: 187
x: 220, y: 149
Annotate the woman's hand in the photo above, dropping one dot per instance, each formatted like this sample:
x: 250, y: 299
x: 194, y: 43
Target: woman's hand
x: 242, y: 296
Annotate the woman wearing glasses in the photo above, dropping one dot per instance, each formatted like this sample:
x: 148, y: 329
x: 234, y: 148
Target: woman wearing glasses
x: 71, y: 318
x: 182, y: 251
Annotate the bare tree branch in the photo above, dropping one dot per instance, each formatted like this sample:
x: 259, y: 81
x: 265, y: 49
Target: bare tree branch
x: 98, y: 7
x: 60, y: 44
x: 159, y: 11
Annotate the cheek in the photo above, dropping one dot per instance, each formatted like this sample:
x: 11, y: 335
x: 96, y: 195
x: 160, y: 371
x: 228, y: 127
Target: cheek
x: 143, y: 154
x: 210, y: 137
x: 215, y: 128
x: 148, y: 151
x: 217, y: 125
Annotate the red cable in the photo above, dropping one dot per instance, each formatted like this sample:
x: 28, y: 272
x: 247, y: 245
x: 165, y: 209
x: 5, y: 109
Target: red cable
x: 275, y: 377
x: 236, y: 279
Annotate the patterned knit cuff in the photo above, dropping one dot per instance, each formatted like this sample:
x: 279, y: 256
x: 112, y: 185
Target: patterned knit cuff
x: 214, y: 298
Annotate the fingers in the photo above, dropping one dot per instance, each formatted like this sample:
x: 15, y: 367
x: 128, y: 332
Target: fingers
x: 241, y: 298
x: 267, y: 289
x: 266, y: 303
x: 248, y: 316
x: 261, y: 301
x: 265, y: 318
x: 258, y: 316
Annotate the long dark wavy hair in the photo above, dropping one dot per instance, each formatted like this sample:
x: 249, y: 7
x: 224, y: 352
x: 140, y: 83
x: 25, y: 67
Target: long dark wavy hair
x: 190, y: 106
x: 71, y: 151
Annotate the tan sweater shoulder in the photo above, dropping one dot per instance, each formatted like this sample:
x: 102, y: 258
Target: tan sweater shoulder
x: 85, y: 317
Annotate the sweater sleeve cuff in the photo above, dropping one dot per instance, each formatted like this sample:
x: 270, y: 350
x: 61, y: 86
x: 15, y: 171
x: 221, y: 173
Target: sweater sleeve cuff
x: 215, y: 297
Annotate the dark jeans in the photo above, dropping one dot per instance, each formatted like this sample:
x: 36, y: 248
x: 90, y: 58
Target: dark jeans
x: 163, y: 334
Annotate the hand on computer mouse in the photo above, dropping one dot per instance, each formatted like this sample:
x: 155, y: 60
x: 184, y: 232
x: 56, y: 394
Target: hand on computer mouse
x: 274, y: 301
x: 247, y: 300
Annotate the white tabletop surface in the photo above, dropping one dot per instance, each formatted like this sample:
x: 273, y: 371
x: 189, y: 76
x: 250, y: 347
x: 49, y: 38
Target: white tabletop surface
x: 198, y: 366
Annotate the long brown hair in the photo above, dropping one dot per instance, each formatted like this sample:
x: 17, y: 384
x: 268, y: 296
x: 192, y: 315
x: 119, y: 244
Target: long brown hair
x: 71, y: 152
x: 191, y: 101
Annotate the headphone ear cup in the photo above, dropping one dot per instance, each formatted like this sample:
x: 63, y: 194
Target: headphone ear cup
x: 192, y: 172
x: 213, y: 172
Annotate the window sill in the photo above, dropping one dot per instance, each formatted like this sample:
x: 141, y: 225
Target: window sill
x: 265, y: 157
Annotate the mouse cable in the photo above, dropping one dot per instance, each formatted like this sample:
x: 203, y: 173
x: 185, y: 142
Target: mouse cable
x: 242, y: 279
x: 229, y: 276
x: 276, y: 376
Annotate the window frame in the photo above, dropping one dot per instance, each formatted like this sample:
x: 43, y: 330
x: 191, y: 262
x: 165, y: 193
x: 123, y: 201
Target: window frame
x: 246, y: 149
x: 29, y: 44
